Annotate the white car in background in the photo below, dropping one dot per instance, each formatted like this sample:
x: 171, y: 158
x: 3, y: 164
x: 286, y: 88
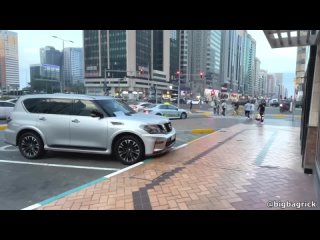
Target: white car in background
x: 166, y: 110
x: 5, y: 109
x: 194, y: 101
x: 140, y: 106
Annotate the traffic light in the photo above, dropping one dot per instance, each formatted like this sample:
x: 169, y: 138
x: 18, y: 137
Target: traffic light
x: 178, y: 73
x: 201, y: 75
x: 141, y: 71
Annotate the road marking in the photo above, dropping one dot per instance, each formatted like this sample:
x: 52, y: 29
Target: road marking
x: 3, y: 148
x: 123, y: 170
x: 198, y: 131
x: 60, y: 165
x: 3, y: 127
x: 181, y: 146
x: 34, y: 206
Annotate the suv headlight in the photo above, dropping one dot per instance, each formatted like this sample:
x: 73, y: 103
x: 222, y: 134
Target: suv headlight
x: 153, y: 129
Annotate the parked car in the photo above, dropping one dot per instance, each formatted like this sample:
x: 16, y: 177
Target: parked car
x: 5, y: 109
x: 86, y: 124
x: 194, y: 101
x: 166, y: 110
x: 140, y: 106
x: 182, y: 101
x: 274, y: 103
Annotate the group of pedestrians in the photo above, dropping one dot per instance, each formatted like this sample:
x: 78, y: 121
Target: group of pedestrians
x: 219, y: 106
x: 249, y: 110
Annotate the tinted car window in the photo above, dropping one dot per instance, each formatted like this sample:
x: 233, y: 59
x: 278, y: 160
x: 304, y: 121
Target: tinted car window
x: 83, y: 107
x: 48, y: 106
x: 110, y: 106
x: 163, y: 107
x: 7, y: 104
x: 172, y: 107
x: 35, y: 105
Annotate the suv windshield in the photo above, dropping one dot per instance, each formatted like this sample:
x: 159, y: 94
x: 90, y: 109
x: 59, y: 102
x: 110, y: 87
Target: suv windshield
x: 110, y: 106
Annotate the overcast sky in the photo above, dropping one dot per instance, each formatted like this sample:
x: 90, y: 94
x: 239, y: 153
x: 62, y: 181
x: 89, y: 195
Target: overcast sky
x: 30, y: 42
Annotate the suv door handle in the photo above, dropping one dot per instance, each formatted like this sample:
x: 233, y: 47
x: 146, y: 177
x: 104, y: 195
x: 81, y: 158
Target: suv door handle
x: 42, y: 119
x: 75, y: 121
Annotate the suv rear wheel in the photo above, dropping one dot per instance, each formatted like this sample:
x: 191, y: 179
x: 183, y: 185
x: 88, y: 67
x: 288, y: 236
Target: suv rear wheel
x: 30, y: 145
x: 128, y: 149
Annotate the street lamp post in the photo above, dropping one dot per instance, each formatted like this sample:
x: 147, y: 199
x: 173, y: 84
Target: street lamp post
x: 62, y: 83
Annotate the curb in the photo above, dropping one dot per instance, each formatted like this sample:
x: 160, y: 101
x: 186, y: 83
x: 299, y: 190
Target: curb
x: 199, y: 131
x: 3, y: 127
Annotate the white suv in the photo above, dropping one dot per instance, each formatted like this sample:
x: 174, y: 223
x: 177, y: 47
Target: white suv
x: 88, y: 124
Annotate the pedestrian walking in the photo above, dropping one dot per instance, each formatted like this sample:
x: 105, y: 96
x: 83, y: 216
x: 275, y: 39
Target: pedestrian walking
x: 261, y: 109
x: 224, y: 107
x: 218, y: 107
x: 252, y: 109
x: 190, y: 104
x: 214, y: 106
x: 247, y: 109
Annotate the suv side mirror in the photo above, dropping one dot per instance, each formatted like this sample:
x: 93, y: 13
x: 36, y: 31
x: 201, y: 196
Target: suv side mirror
x: 96, y: 113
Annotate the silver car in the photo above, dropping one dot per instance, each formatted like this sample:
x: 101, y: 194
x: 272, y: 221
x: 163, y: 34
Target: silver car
x: 88, y: 124
x: 5, y: 109
x: 166, y: 110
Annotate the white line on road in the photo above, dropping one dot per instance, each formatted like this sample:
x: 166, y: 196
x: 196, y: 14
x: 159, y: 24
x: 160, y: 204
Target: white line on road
x: 34, y: 206
x: 60, y: 165
x: 181, y: 146
x: 8, y: 150
x: 123, y: 170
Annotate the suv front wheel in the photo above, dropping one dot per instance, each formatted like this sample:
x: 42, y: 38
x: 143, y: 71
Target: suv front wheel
x: 31, y: 145
x: 128, y: 149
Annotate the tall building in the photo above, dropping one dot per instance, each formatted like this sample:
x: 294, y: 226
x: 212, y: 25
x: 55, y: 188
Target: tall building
x: 257, y: 79
x: 198, y: 41
x: 49, y: 55
x: 249, y: 68
x: 73, y: 72
x: 263, y: 83
x: 232, y: 73
x: 213, y: 69
x: 9, y: 61
x: 131, y: 63
x: 185, y: 60
x: 45, y: 78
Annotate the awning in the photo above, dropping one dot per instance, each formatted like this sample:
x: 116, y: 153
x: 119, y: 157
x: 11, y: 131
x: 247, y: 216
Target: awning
x: 291, y: 38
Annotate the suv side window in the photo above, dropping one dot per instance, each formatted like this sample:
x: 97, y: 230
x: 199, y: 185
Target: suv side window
x: 83, y: 107
x: 49, y: 106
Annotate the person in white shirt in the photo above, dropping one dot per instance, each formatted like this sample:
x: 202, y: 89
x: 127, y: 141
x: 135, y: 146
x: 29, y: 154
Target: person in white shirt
x: 247, y: 109
x: 252, y: 109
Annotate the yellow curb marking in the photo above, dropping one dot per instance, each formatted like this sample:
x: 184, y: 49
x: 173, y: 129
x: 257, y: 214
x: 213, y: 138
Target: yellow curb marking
x: 199, y: 131
x: 279, y: 115
x: 3, y: 127
x: 207, y: 114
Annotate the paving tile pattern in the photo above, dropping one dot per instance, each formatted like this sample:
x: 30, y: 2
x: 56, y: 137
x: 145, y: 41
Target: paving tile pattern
x: 241, y: 167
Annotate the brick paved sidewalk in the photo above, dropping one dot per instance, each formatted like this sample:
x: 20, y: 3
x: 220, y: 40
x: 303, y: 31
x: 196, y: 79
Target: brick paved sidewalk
x: 242, y: 167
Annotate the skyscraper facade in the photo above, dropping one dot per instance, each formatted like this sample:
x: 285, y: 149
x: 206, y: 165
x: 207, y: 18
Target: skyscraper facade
x: 9, y: 61
x: 49, y: 55
x: 73, y: 72
x: 129, y: 61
